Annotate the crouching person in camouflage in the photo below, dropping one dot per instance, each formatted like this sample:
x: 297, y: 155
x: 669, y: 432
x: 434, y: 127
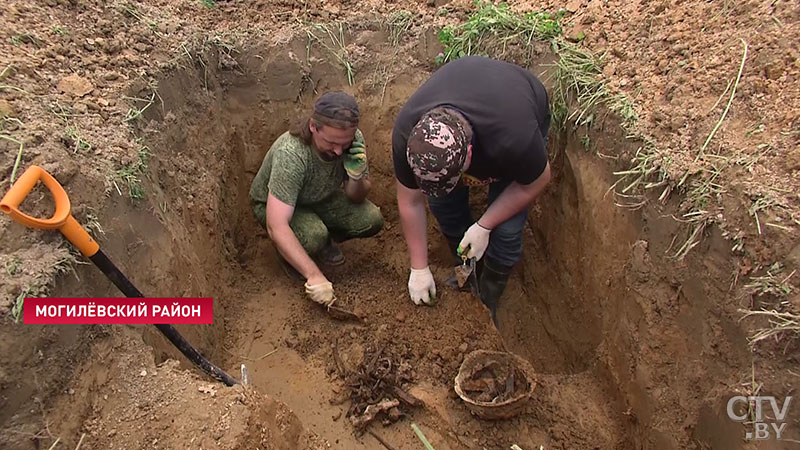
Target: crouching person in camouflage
x: 311, y: 191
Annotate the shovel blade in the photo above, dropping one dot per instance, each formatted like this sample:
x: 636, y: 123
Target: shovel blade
x: 342, y: 314
x: 466, y: 273
x: 462, y: 274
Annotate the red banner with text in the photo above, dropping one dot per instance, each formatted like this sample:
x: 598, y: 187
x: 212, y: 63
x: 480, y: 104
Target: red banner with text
x: 123, y: 310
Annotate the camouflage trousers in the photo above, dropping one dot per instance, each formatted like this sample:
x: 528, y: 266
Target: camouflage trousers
x: 335, y: 218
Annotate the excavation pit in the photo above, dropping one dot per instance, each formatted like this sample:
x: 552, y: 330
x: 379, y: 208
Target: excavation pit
x: 595, y: 308
x: 581, y: 307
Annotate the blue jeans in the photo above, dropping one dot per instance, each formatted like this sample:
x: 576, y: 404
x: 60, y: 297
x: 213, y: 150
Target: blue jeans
x: 454, y: 216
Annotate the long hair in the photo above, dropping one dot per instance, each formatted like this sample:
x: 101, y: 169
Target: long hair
x: 302, y: 130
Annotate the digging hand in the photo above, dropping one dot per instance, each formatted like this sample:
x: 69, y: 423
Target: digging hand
x: 474, y: 242
x: 421, y: 286
x: 321, y: 293
x: 355, y: 161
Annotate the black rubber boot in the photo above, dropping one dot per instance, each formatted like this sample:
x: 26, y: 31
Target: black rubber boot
x: 492, y: 283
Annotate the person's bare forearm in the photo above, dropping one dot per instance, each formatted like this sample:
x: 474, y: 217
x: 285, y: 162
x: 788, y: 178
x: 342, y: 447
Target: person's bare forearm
x: 414, y: 222
x: 512, y: 200
x: 291, y: 249
x: 357, y: 190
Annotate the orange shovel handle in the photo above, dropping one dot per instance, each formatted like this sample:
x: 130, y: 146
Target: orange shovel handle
x: 62, y: 218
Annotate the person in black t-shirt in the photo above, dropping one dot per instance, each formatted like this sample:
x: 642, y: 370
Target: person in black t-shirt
x: 476, y: 121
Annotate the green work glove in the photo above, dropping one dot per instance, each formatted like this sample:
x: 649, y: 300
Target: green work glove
x: 355, y: 161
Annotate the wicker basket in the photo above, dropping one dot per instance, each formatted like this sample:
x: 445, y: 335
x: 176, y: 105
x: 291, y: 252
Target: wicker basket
x: 499, y: 410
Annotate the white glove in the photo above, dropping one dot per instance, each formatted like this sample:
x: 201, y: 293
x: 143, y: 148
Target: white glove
x: 476, y: 239
x: 321, y: 293
x: 421, y: 286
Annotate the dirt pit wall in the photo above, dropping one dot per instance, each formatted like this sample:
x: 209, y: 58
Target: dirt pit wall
x: 600, y: 292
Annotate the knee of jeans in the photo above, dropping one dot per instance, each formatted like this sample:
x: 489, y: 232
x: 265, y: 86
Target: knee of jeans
x: 505, y: 246
x: 313, y: 237
x: 454, y: 227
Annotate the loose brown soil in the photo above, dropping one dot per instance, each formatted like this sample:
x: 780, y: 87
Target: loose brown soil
x: 179, y: 102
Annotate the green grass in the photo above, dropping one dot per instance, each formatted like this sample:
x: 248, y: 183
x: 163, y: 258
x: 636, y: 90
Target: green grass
x: 24, y: 38
x: 494, y: 30
x: 727, y: 107
x: 72, y: 135
x: 4, y: 119
x: 12, y: 267
x: 425, y: 442
x: 17, y: 160
x: 774, y: 204
x: 399, y: 24
x: 773, y: 283
x: 223, y: 42
x: 135, y: 112
x: 65, y: 260
x: 586, y: 141
x: 132, y: 11
x: 17, y: 309
x: 577, y: 77
x: 579, y: 82
x: 130, y: 176
x: 331, y: 38
x: 499, y: 32
x: 774, y: 286
x: 92, y: 225
x: 8, y: 87
x: 779, y: 324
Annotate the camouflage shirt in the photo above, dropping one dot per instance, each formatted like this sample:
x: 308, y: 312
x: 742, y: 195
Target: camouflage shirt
x: 295, y: 173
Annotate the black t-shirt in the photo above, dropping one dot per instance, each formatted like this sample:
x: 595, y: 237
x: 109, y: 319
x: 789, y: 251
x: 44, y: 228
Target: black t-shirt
x: 506, y: 106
